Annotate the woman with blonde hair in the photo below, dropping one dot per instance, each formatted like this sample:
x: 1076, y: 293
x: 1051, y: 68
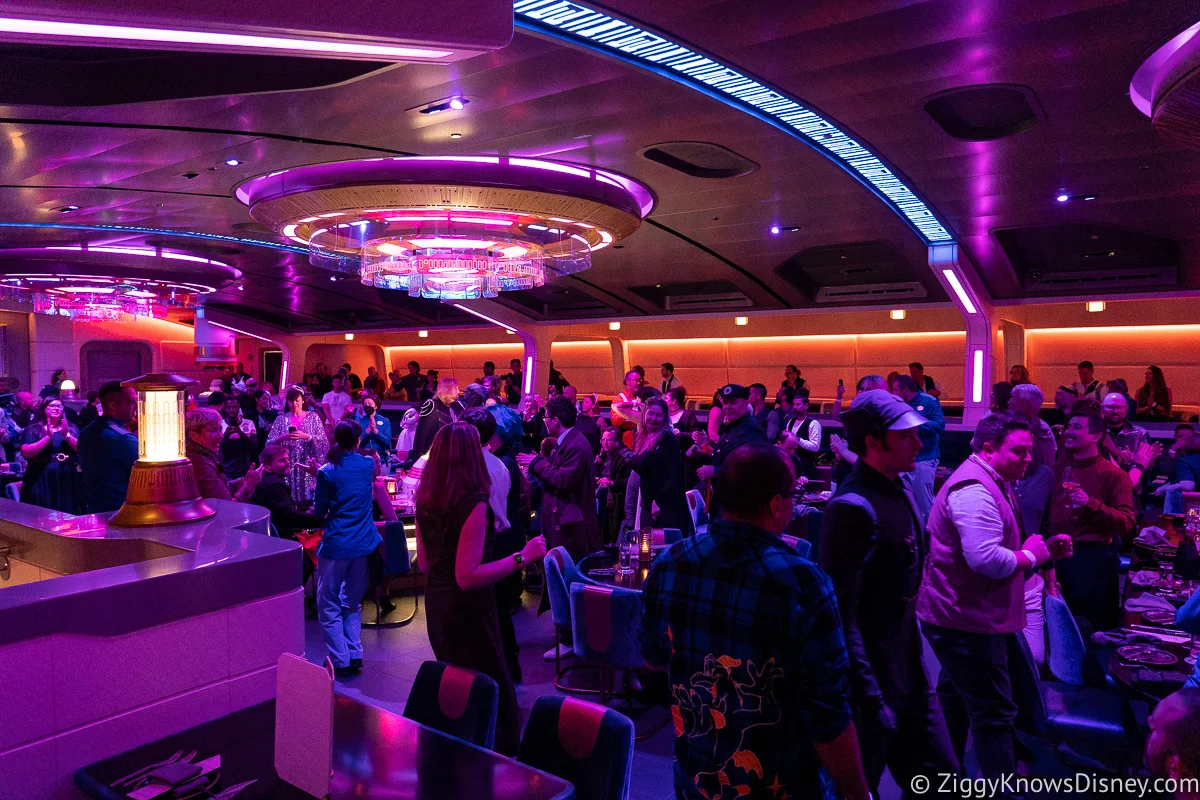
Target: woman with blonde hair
x: 455, y: 540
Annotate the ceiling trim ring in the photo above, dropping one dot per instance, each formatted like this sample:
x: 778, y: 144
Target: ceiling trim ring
x: 611, y: 36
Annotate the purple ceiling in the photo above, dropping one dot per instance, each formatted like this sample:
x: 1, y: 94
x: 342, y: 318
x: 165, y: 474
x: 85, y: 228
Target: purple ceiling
x: 870, y: 65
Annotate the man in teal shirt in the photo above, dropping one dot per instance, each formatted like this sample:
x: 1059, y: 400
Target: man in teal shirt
x: 920, y: 480
x: 107, y: 449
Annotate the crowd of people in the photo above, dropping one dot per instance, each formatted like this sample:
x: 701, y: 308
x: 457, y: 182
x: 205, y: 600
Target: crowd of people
x: 812, y: 664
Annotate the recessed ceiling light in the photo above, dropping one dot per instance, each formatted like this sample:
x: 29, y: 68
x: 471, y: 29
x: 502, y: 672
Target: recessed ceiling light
x: 333, y: 278
x: 456, y: 136
x: 741, y: 320
x: 423, y: 334
x: 899, y: 313
x: 457, y: 103
x: 1062, y: 198
x: 232, y: 162
x: 66, y: 209
x: 1096, y: 305
x: 349, y: 337
x: 775, y: 230
x: 241, y: 288
x: 614, y: 326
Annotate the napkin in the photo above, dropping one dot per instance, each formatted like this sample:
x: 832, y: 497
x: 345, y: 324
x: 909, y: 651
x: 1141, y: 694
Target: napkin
x: 1118, y: 637
x: 1145, y: 577
x: 1148, y: 602
x: 1152, y: 536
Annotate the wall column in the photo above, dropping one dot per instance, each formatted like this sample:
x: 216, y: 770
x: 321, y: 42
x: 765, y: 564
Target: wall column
x: 977, y: 313
x: 1014, y: 345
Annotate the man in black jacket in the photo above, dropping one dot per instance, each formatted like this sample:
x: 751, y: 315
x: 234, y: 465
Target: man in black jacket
x: 872, y: 546
x: 273, y: 494
x: 441, y: 409
x: 740, y: 429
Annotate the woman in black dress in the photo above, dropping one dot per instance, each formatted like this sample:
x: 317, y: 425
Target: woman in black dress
x: 52, y: 477
x: 455, y: 537
x: 658, y: 461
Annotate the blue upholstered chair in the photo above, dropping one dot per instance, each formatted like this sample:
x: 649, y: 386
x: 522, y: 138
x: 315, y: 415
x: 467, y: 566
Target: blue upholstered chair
x: 396, y: 565
x: 561, y: 574
x: 456, y: 701
x: 604, y: 623
x: 1066, y: 650
x: 801, y: 546
x: 665, y: 536
x: 584, y: 743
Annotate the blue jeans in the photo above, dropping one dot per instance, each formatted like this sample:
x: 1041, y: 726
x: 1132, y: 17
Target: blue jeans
x: 341, y: 584
x: 920, y: 483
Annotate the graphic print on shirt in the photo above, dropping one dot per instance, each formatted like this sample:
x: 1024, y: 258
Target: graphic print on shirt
x: 724, y: 702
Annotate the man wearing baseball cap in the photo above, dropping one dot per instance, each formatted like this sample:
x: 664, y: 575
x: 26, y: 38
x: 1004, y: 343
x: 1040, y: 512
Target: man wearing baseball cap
x: 872, y: 536
x: 740, y: 429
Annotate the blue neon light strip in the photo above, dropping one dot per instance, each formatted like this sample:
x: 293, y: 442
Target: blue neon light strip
x: 599, y: 31
x: 215, y: 237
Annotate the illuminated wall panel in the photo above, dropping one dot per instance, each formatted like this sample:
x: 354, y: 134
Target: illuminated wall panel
x: 463, y: 362
x: 587, y: 365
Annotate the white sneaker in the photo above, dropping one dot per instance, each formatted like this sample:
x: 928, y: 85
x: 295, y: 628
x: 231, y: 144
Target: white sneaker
x: 562, y: 651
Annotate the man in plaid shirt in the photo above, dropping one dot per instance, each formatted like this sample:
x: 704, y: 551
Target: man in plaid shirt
x: 750, y: 635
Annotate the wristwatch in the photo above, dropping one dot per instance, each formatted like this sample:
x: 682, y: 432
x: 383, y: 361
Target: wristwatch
x: 518, y: 559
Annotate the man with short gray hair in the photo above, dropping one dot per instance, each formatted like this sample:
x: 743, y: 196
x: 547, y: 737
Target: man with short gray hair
x: 1027, y: 401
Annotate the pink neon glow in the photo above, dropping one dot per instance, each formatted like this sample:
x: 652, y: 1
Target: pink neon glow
x: 140, y: 251
x: 33, y: 27
x: 548, y: 165
x: 472, y: 244
x: 483, y: 316
x: 481, y: 221
x: 466, y: 159
x: 528, y: 374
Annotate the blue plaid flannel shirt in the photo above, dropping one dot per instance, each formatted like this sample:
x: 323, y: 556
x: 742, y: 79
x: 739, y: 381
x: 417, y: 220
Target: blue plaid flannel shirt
x: 752, y: 641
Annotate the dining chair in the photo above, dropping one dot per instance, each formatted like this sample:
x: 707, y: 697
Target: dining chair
x: 561, y: 574
x: 395, y: 565
x: 456, y: 701
x: 584, y: 743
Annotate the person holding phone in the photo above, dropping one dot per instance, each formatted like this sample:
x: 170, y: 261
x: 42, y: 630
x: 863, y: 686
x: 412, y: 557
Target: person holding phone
x: 302, y: 433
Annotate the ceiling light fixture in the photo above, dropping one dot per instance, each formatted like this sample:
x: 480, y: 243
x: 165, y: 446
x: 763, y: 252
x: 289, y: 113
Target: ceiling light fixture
x: 956, y: 285
x: 775, y: 230
x: 599, y: 31
x: 214, y: 40
x: 349, y: 337
x: 741, y: 320
x: 86, y: 298
x: 614, y: 326
x: 456, y: 136
x: 66, y: 209
x: 394, y: 231
x: 1062, y: 198
x: 457, y: 103
x: 1096, y: 305
x: 423, y: 334
x: 899, y: 313
x: 232, y: 162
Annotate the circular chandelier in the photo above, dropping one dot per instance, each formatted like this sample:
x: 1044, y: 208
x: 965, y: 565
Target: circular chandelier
x: 449, y: 227
x: 62, y: 281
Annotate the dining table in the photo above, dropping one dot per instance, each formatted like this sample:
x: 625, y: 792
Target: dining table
x: 376, y: 754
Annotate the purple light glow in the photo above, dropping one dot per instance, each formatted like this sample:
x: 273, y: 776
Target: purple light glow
x: 33, y: 27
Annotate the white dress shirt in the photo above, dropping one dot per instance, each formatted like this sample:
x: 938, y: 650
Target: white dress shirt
x: 501, y: 483
x: 813, y: 442
x: 977, y: 517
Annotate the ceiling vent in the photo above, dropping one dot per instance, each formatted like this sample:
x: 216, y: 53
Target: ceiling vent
x: 984, y: 113
x: 1111, y: 279
x: 706, y: 302
x: 700, y: 159
x: 871, y: 292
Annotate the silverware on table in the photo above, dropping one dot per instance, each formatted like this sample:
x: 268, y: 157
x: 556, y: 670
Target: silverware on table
x: 148, y: 768
x: 227, y: 794
x: 137, y: 776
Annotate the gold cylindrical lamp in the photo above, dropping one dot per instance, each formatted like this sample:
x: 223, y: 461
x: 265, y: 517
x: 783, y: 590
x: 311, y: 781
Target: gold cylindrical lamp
x: 162, y: 485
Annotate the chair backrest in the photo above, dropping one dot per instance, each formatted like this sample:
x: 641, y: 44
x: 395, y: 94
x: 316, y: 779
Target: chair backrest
x: 561, y: 572
x: 664, y: 536
x: 584, y: 743
x: 13, y: 491
x: 395, y: 544
x: 604, y: 624
x: 801, y: 546
x: 456, y: 701
x: 1066, y: 651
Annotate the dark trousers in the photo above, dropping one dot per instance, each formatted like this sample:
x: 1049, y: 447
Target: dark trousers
x: 1090, y: 584
x: 909, y: 740
x: 975, y: 691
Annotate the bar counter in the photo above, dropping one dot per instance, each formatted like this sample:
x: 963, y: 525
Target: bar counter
x: 114, y: 637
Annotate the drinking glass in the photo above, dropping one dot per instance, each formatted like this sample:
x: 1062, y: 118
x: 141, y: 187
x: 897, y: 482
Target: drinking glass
x: 1069, y: 483
x: 627, y: 550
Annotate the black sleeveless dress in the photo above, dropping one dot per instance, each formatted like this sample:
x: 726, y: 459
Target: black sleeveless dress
x: 52, y: 477
x: 464, y: 627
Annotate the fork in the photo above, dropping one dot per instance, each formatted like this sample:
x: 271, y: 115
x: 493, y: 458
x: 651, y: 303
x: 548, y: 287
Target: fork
x: 142, y: 772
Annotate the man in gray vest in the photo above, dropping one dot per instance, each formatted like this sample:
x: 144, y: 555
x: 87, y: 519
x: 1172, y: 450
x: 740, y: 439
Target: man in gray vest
x: 873, y: 546
x: 972, y: 600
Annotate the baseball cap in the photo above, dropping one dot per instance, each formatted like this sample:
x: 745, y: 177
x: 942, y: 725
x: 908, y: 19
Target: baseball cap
x: 734, y: 391
x: 876, y: 411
